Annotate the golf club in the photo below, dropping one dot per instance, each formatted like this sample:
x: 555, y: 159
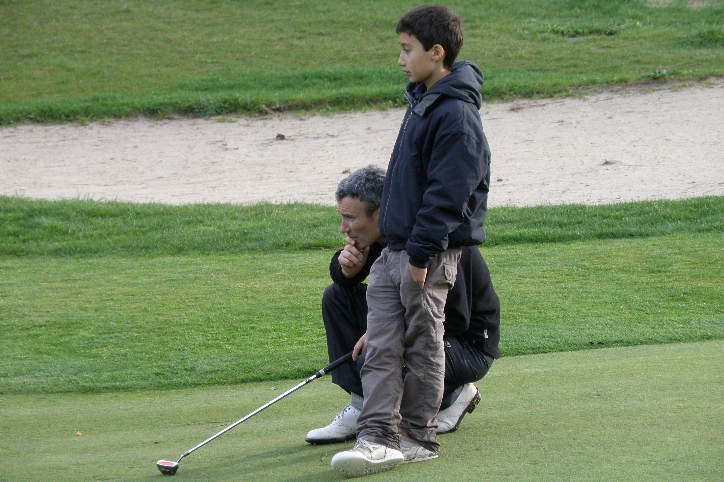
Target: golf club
x: 168, y: 467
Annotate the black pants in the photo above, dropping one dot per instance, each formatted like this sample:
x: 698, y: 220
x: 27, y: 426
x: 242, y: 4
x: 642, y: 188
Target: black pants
x: 344, y: 311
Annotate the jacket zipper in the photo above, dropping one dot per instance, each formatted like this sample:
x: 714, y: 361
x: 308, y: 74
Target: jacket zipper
x: 401, y: 138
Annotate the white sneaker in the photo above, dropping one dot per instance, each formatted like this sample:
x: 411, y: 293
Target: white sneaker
x: 413, y: 451
x: 342, y: 428
x: 366, y: 458
x: 448, y: 420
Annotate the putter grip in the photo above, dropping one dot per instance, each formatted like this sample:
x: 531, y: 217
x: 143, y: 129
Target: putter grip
x: 335, y: 364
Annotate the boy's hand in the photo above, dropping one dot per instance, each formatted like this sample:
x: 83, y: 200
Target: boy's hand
x: 419, y: 275
x: 351, y: 259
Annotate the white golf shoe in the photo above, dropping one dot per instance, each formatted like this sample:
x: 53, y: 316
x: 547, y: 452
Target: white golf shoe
x: 342, y: 428
x: 366, y: 458
x: 413, y: 451
x: 448, y: 420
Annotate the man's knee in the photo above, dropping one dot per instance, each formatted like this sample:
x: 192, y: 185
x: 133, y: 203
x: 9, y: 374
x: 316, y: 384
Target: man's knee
x: 331, y: 294
x: 336, y: 294
x: 344, y: 312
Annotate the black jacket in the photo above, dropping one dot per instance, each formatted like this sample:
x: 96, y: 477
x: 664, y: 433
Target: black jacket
x: 472, y: 310
x: 436, y: 189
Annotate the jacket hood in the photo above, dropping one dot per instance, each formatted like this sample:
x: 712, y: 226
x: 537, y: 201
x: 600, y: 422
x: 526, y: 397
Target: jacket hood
x: 463, y: 82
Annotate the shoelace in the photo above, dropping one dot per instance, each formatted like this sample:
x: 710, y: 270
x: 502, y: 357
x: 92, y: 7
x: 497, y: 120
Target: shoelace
x: 341, y: 414
x: 362, y: 445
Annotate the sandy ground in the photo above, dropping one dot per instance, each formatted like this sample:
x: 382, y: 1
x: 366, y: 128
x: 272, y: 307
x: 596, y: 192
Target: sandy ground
x: 613, y: 146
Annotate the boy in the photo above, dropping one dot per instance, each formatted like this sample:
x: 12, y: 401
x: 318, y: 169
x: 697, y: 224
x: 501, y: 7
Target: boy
x: 434, y: 202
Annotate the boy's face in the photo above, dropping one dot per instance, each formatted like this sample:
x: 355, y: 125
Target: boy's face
x: 417, y: 63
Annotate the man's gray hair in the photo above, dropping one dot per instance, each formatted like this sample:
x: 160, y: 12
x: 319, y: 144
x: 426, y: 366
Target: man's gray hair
x: 364, y: 184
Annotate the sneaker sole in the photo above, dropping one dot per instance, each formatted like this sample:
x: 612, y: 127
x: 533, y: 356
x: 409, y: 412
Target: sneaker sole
x: 358, y: 467
x: 419, y: 459
x: 327, y: 441
x: 470, y: 408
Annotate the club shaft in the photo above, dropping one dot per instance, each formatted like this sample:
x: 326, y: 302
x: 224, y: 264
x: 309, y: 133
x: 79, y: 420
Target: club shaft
x: 335, y: 364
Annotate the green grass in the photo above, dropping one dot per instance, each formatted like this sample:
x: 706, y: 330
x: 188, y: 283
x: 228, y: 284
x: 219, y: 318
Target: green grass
x: 621, y: 414
x: 129, y: 333
x: 83, y: 227
x: 128, y: 323
x: 80, y: 60
x: 197, y: 302
x: 110, y: 296
x: 78, y: 227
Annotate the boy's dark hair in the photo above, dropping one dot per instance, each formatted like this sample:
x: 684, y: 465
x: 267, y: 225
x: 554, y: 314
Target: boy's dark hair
x: 435, y: 24
x: 364, y: 184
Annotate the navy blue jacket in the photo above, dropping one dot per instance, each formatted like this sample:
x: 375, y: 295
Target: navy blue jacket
x: 436, y: 190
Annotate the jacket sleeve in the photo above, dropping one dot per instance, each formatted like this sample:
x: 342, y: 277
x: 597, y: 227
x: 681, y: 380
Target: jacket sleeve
x: 456, y: 169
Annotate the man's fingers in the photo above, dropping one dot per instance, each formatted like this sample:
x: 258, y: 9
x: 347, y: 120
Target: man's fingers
x: 352, y: 255
x: 359, y: 347
x: 349, y: 259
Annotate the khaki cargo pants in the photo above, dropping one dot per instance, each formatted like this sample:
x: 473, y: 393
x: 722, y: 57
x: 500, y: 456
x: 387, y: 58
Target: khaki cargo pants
x: 405, y: 332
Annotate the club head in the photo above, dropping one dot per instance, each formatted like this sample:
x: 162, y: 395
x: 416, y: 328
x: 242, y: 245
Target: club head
x: 167, y: 467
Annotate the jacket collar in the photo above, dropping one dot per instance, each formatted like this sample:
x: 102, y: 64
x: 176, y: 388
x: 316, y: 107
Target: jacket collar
x: 463, y: 83
x: 421, y: 106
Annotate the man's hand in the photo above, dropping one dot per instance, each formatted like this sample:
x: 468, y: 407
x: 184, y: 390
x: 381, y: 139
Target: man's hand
x: 351, y: 259
x: 359, y: 347
x: 419, y: 275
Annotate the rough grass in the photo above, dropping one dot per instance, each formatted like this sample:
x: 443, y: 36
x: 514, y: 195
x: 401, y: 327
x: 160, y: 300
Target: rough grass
x: 90, y: 324
x: 83, y: 228
x: 117, y: 296
x: 81, y: 60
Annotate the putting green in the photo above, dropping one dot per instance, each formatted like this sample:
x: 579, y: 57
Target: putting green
x: 634, y: 413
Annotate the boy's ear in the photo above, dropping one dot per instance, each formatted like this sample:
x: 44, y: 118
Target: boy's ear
x: 438, y: 52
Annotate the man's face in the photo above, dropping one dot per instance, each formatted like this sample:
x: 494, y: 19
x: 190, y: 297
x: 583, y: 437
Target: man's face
x: 356, y: 224
x: 416, y: 63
